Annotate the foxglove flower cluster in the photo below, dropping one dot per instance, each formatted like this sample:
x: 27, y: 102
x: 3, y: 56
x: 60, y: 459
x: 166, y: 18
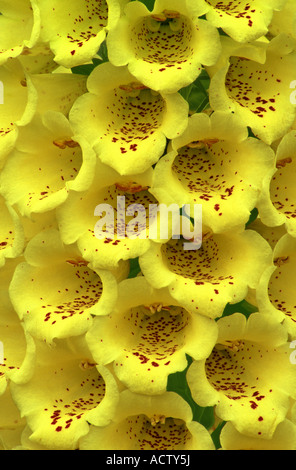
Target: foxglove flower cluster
x: 114, y: 333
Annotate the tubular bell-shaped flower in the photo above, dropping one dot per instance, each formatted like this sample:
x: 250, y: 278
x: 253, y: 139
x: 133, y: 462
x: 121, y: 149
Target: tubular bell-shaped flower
x: 11, y: 232
x: 69, y: 291
x: 76, y: 393
x: 164, y: 49
x: 125, y: 122
x: 277, y: 204
x: 46, y: 177
x: 19, y: 27
x: 284, y: 438
x: 141, y: 422
x: 205, y: 280
x: 253, y: 81
x: 248, y: 376
x: 76, y: 35
x: 214, y: 164
x: 147, y: 337
x: 118, y: 235
x: 242, y: 20
x: 275, y: 292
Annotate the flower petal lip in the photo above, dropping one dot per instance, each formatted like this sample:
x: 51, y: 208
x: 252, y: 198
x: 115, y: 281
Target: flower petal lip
x: 248, y: 83
x: 282, y: 439
x: 162, y: 422
x: 209, y: 278
x: 164, y: 60
x: 210, y: 169
x: 45, y: 181
x: 250, y: 366
x: 64, y: 307
x: 147, y: 337
x: 127, y: 130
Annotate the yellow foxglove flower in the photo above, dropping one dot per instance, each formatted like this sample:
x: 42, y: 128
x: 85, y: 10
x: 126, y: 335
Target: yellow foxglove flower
x: 125, y: 122
x: 284, y: 438
x: 275, y: 293
x: 19, y: 27
x: 106, y: 240
x: 76, y: 393
x: 248, y: 376
x: 11, y: 232
x: 76, y: 34
x: 66, y: 162
x: 277, y: 204
x: 217, y: 165
x: 147, y: 337
x: 141, y: 422
x: 55, y: 292
x: 164, y: 49
x: 205, y: 280
x: 243, y: 21
x: 253, y: 81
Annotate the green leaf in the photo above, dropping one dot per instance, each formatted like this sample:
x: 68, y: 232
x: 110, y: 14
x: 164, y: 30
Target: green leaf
x: 243, y: 307
x: 134, y: 268
x: 216, y: 434
x: 83, y: 69
x: 149, y: 3
x: 253, y: 216
x: 86, y: 69
x: 177, y: 383
x: 196, y: 94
